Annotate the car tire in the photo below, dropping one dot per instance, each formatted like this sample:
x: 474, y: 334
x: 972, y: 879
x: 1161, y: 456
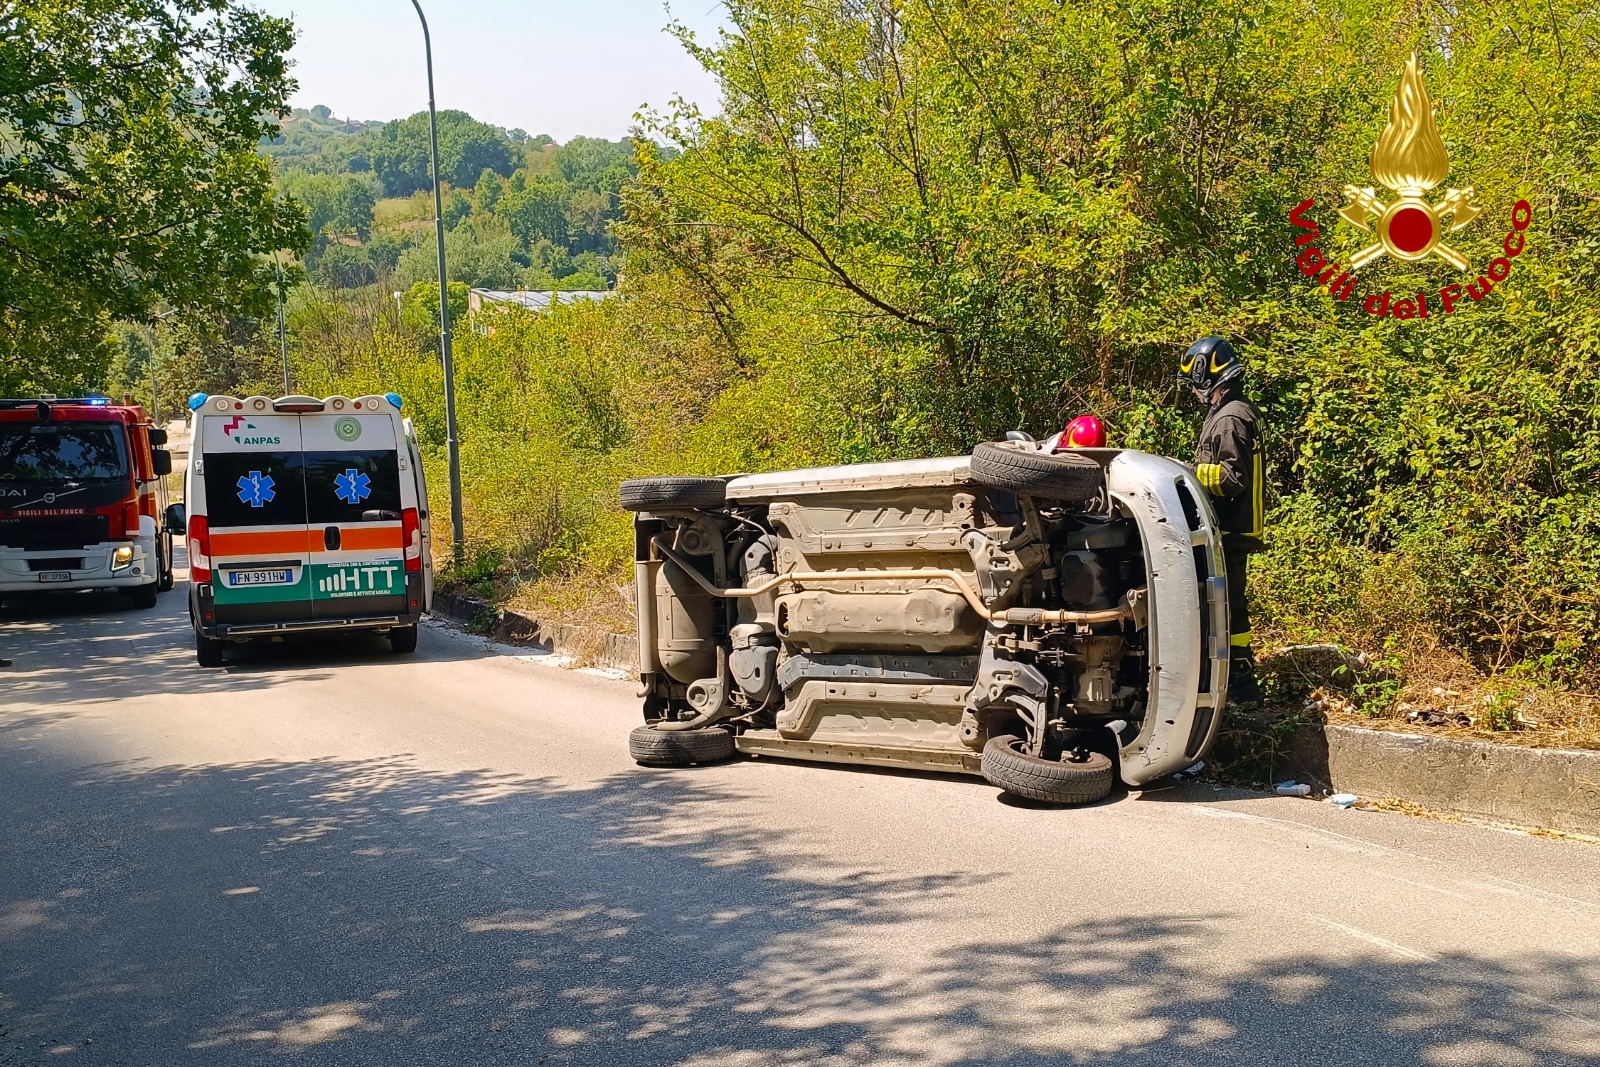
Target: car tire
x: 645, y: 494
x: 403, y: 639
x: 650, y: 747
x: 1023, y: 468
x: 1006, y: 766
x: 144, y: 596
x: 166, y: 580
x: 208, y: 651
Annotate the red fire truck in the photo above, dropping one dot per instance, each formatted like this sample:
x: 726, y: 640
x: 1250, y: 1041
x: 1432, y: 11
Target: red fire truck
x: 83, y: 498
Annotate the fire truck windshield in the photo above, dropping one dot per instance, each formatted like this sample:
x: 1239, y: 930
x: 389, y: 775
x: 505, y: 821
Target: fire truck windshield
x: 56, y: 452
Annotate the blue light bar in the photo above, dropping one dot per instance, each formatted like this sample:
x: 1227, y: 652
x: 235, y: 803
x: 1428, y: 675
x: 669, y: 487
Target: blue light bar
x: 394, y: 398
x: 195, y: 400
x: 97, y: 401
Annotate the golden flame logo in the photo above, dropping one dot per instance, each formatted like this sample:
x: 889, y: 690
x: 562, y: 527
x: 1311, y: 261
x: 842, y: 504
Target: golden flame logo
x: 1409, y: 159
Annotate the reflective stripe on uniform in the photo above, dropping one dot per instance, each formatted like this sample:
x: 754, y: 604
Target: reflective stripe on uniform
x: 1241, y: 640
x: 1258, y: 516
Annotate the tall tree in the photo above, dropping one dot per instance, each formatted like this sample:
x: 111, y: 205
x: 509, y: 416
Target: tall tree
x: 128, y: 172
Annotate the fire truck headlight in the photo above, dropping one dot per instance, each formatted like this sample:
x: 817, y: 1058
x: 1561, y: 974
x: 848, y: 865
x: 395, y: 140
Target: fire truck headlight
x: 121, y: 557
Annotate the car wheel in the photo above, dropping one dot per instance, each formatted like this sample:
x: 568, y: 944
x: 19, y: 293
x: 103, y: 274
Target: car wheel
x: 679, y: 748
x: 1007, y: 767
x: 403, y: 639
x: 144, y: 596
x: 643, y: 494
x: 208, y: 650
x: 1023, y: 468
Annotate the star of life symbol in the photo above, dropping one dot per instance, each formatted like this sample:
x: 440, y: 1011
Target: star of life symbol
x: 256, y: 489
x: 352, y: 486
x: 1409, y: 159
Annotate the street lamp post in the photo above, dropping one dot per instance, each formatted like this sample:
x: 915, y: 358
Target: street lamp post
x: 451, y: 446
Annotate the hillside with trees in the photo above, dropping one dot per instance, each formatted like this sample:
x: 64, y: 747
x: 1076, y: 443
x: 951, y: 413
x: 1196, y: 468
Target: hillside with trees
x: 522, y: 212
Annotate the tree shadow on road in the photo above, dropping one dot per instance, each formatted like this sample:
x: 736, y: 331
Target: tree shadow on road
x: 89, y: 648
x: 348, y: 912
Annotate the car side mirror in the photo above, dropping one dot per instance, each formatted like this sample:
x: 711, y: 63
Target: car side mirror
x: 177, y: 519
x: 161, y: 462
x: 158, y: 437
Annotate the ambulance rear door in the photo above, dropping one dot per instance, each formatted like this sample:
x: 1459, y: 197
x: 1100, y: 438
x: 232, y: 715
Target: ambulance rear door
x: 354, y: 506
x: 255, y: 510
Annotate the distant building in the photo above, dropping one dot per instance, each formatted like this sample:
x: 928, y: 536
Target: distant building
x: 534, y: 299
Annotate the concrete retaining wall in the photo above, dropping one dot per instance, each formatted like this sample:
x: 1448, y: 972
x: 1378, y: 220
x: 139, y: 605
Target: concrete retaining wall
x: 1556, y: 789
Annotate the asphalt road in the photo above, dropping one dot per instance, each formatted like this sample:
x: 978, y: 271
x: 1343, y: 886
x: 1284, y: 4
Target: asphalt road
x: 328, y: 854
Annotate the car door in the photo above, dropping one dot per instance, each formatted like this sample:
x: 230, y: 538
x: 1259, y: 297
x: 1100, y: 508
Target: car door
x: 256, y: 513
x: 424, y: 510
x: 353, y: 507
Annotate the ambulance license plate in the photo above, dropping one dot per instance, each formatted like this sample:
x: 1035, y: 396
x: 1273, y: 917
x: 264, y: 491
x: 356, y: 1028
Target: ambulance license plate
x: 236, y: 578
x: 55, y: 576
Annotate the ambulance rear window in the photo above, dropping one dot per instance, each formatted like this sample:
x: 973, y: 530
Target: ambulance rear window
x: 255, y: 489
x: 345, y: 486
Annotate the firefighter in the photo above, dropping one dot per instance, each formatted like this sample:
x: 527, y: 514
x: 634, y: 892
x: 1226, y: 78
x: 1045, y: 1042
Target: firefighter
x: 1228, y: 465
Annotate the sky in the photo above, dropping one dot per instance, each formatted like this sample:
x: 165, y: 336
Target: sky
x: 545, y: 66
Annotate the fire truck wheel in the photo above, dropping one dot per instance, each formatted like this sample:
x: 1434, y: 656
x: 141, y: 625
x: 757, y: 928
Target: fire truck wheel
x: 144, y: 596
x: 403, y: 639
x: 164, y: 568
x: 207, y: 651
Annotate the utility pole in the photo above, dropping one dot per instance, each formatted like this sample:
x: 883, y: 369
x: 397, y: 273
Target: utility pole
x: 283, y: 335
x: 451, y: 443
x: 150, y: 342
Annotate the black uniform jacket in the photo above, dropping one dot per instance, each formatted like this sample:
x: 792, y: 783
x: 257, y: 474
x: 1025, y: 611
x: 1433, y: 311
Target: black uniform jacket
x: 1231, y: 438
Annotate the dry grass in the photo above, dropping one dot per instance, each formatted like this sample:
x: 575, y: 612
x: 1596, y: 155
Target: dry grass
x: 589, y: 606
x: 1423, y: 688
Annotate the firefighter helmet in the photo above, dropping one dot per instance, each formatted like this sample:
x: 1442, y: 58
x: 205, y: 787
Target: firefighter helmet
x: 1209, y: 363
x: 1085, y: 431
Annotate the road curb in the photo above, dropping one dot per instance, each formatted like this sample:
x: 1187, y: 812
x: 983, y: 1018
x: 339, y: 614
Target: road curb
x: 619, y: 651
x: 1557, y: 789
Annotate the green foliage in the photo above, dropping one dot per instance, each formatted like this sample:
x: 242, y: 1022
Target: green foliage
x: 420, y: 306
x: 128, y: 174
x: 467, y: 147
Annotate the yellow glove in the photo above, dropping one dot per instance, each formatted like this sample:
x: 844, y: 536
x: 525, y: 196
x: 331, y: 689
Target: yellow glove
x: 1210, y: 475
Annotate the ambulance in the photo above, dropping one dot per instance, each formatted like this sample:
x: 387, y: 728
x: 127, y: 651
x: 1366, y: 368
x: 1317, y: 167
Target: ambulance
x: 304, y: 516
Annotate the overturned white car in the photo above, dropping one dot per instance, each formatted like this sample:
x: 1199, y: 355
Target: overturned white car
x: 1049, y: 620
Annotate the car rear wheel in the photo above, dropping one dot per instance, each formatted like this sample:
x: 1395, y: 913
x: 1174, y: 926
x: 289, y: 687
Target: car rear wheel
x: 1023, y: 468
x: 207, y: 651
x: 144, y: 596
x: 644, y: 494
x: 1007, y: 767
x: 403, y: 639
x: 679, y: 748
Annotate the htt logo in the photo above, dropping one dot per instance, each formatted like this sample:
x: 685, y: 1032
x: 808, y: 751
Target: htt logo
x: 1408, y: 160
x: 239, y: 432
